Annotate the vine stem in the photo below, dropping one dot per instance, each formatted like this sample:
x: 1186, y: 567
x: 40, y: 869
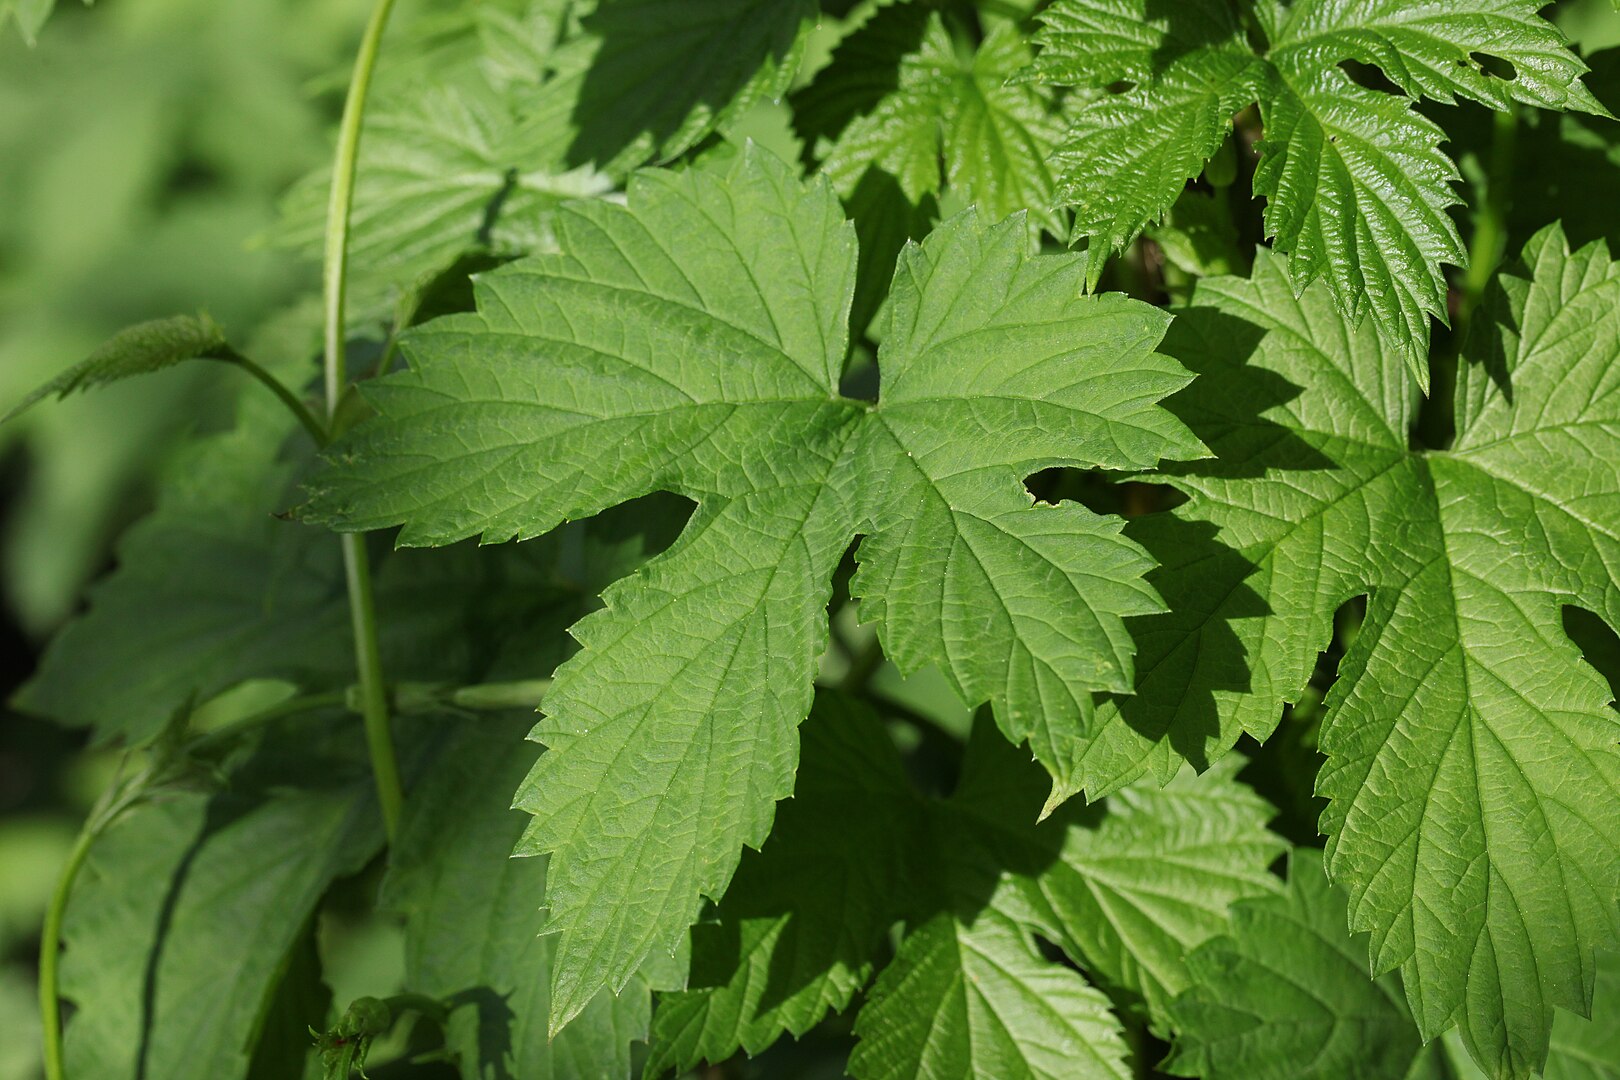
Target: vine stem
x: 356, y: 562
x: 50, y: 1014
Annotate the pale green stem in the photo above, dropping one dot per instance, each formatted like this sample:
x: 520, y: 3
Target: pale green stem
x: 356, y: 564
x: 50, y: 948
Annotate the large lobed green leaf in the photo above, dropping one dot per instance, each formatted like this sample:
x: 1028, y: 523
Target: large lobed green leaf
x: 1356, y: 185
x: 692, y: 341
x: 1470, y: 750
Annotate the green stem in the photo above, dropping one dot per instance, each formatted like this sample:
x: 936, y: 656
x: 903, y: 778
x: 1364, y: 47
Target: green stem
x: 50, y: 948
x: 373, y: 691
x: 1486, y: 246
x: 312, y: 424
x: 421, y: 1004
x: 356, y: 564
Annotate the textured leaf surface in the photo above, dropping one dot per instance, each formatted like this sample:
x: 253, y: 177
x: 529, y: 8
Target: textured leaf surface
x: 901, y: 95
x: 645, y: 80
x: 1134, y: 892
x: 969, y: 993
x: 797, y: 930
x: 692, y: 341
x: 1129, y: 153
x: 450, y: 162
x: 1439, y: 50
x: 182, y: 917
x: 1287, y: 995
x: 472, y: 930
x: 1019, y: 605
x: 1477, y: 859
x: 139, y: 350
x: 972, y: 997
x: 1127, y: 886
x: 1356, y: 186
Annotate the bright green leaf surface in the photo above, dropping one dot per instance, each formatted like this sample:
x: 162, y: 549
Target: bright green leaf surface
x: 1438, y: 50
x: 797, y: 930
x: 903, y: 96
x: 182, y: 917
x: 1128, y: 886
x: 1122, y: 889
x: 1134, y: 892
x: 967, y: 998
x: 959, y: 569
x: 692, y: 341
x: 472, y: 930
x: 1356, y: 185
x: 1478, y: 859
x: 1127, y: 155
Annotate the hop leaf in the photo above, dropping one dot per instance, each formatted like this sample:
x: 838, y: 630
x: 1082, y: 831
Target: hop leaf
x: 1477, y: 859
x: 138, y: 350
x: 945, y: 118
x: 1123, y: 889
x: 692, y: 341
x: 1356, y: 186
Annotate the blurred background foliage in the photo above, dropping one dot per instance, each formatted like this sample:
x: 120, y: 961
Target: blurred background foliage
x: 145, y: 148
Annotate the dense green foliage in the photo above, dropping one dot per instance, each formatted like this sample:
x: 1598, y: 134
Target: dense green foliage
x: 1011, y: 583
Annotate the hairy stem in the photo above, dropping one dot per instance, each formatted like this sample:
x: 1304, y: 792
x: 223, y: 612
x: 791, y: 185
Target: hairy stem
x: 356, y: 563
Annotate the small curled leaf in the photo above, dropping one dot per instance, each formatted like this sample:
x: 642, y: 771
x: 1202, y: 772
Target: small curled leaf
x: 138, y: 350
